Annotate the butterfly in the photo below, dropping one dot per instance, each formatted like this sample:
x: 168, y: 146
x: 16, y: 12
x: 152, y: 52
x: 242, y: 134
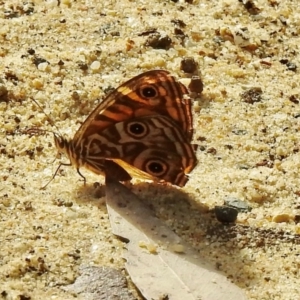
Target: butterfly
x: 141, y: 129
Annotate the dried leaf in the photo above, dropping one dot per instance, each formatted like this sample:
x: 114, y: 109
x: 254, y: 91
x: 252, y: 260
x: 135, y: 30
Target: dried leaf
x: 159, y: 262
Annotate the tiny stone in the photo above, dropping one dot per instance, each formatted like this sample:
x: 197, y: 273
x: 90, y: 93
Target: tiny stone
x: 291, y: 66
x: 226, y: 214
x: 282, y: 218
x: 294, y: 99
x: 83, y: 66
x: 284, y: 61
x: 252, y: 95
x: 189, y: 65
x: 3, y: 90
x: 239, y: 131
x: 36, y: 83
x: 52, y: 3
x: 251, y: 7
x: 95, y: 65
x: 177, y: 248
x: 238, y: 204
x: 212, y: 150
x: 178, y: 22
x: 75, y: 96
x: 43, y: 66
x: 31, y: 51
x: 158, y: 41
x: 66, y: 2
x: 196, y: 85
x: 39, y: 60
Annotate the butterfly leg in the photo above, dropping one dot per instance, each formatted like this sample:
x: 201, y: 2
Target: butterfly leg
x: 84, y: 179
x: 54, y: 175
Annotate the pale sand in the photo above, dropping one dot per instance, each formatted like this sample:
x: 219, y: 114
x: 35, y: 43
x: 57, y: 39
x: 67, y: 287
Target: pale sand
x: 46, y: 235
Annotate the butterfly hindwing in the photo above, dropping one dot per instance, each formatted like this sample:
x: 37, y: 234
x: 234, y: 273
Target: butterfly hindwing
x: 151, y: 147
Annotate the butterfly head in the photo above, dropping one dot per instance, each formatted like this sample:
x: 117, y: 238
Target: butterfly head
x: 67, y: 148
x: 62, y: 145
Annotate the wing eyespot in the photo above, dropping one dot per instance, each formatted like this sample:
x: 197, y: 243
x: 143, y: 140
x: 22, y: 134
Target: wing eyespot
x: 149, y: 91
x: 137, y: 129
x: 156, y: 167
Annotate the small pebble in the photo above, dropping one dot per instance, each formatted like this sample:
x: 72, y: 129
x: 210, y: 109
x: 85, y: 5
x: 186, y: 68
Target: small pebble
x: 282, y: 218
x: 239, y: 205
x: 3, y: 90
x: 159, y: 41
x: 226, y: 214
x: 95, y: 65
x: 43, y: 66
x: 189, y: 65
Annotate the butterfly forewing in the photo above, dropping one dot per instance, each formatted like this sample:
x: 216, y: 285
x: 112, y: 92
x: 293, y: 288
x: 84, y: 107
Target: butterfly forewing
x: 151, y: 93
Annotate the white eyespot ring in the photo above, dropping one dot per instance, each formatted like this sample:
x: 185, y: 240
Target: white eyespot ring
x: 137, y: 129
x: 148, y: 91
x: 156, y: 167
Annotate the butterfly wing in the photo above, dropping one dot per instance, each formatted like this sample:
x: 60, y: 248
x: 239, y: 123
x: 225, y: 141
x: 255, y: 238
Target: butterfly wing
x: 160, y: 165
x: 151, y: 147
x: 154, y: 92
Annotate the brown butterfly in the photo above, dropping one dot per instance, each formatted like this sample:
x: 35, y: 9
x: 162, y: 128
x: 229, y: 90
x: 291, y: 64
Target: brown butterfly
x: 142, y: 129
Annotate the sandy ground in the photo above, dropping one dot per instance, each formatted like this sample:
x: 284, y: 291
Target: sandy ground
x: 67, y: 55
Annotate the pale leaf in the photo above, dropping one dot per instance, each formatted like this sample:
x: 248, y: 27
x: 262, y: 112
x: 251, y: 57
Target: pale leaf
x: 159, y: 262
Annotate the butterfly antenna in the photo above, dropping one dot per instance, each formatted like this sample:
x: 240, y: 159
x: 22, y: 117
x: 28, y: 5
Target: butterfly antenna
x: 53, y: 176
x: 50, y: 120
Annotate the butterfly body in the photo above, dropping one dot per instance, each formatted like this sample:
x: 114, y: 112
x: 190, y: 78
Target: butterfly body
x: 143, y: 128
